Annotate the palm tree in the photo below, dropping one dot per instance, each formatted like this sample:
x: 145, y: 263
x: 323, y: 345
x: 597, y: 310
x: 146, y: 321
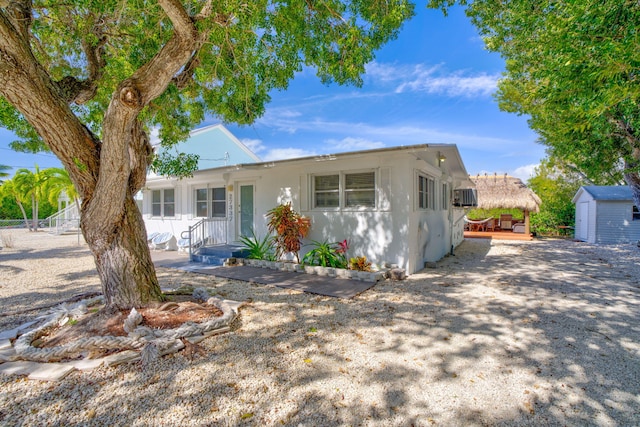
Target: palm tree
x: 4, y: 174
x: 59, y: 182
x: 10, y: 189
x: 32, y: 184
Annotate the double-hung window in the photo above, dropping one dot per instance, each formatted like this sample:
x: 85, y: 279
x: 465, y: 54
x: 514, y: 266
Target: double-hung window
x: 327, y: 191
x: 210, y: 202
x: 347, y: 190
x: 635, y: 213
x: 218, y: 202
x: 426, y: 192
x: 360, y: 190
x: 163, y: 202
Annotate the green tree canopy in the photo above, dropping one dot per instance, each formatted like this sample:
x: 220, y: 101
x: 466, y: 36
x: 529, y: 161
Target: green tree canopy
x: 9, y: 190
x: 4, y: 174
x: 59, y: 182
x: 32, y: 185
x: 87, y: 79
x: 573, y: 68
x: 556, y: 187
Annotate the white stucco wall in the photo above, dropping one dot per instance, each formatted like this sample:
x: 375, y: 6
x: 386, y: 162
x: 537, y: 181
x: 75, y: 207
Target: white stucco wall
x: 396, y: 231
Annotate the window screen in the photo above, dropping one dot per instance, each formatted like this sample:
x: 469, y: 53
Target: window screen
x: 327, y: 191
x: 360, y: 189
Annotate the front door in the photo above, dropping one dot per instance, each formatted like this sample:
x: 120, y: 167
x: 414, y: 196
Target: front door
x: 246, y: 210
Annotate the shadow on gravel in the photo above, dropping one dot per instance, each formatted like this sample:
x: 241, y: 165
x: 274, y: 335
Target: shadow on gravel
x: 35, y: 255
x: 544, y: 333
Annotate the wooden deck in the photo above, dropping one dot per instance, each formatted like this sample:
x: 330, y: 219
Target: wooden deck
x: 498, y: 235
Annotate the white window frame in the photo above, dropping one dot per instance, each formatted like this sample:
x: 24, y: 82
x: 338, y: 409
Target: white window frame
x: 197, y: 201
x: 343, y: 191
x: 315, y: 192
x: 210, y: 201
x: 163, y: 203
x: 425, y: 192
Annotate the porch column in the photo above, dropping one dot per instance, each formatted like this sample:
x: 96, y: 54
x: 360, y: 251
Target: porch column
x: 527, y: 231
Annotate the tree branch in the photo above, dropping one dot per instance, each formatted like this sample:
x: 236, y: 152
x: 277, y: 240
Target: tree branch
x: 205, y: 12
x: 81, y: 91
x: 27, y: 86
x: 627, y: 133
x: 121, y: 162
x: 183, y: 79
x: 19, y: 14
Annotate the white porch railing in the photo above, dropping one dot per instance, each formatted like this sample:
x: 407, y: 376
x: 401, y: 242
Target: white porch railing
x: 65, y: 220
x: 209, y: 231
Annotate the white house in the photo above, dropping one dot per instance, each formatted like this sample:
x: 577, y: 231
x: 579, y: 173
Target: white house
x: 400, y: 205
x: 606, y: 214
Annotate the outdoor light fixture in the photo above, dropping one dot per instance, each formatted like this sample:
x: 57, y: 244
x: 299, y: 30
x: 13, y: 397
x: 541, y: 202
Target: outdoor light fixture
x: 441, y: 158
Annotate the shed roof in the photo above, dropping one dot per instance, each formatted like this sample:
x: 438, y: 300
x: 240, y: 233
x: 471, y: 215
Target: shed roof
x: 506, y: 192
x: 609, y: 192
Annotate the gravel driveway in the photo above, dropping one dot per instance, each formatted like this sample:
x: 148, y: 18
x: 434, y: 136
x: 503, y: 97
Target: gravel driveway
x: 538, y: 333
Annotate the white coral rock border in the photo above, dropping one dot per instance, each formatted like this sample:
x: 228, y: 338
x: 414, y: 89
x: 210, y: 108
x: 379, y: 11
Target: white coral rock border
x: 151, y: 342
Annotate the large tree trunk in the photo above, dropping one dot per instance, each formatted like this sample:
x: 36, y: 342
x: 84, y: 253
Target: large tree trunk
x: 108, y: 172
x: 123, y: 260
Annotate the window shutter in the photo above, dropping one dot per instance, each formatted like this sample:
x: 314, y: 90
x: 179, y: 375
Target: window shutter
x: 384, y: 194
x: 304, y: 193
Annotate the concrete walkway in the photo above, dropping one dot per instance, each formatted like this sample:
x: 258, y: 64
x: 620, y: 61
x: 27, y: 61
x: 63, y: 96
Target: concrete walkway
x: 320, y: 285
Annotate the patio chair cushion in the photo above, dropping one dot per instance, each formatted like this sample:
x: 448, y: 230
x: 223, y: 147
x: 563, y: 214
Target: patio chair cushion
x: 518, y: 228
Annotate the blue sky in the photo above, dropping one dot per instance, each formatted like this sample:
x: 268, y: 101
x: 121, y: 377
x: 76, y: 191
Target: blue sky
x: 433, y: 84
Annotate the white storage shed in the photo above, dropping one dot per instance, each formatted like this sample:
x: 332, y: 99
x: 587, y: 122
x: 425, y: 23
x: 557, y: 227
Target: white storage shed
x: 606, y: 214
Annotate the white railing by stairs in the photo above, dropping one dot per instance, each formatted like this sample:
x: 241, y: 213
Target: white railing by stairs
x: 64, y: 221
x: 209, y: 231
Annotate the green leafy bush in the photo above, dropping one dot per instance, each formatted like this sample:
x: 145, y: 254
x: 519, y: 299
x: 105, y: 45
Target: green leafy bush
x: 326, y: 254
x: 259, y: 248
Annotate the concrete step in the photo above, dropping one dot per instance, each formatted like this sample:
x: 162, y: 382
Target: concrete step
x: 207, y: 259
x: 215, y: 255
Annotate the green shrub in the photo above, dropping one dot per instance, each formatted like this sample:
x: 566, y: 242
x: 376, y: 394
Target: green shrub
x: 259, y: 248
x: 326, y: 255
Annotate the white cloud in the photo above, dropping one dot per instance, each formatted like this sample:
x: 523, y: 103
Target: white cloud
x: 287, y: 153
x: 381, y: 72
x: 524, y: 172
x: 388, y: 134
x: 354, y: 144
x: 456, y: 84
x: 254, y: 145
x: 290, y: 114
x: 433, y: 79
x: 282, y: 119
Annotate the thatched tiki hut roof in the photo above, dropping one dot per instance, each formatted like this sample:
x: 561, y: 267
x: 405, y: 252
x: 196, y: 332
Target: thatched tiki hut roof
x: 506, y: 192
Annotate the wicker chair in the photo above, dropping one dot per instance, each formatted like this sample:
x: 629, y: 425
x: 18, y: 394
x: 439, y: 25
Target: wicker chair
x: 506, y: 221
